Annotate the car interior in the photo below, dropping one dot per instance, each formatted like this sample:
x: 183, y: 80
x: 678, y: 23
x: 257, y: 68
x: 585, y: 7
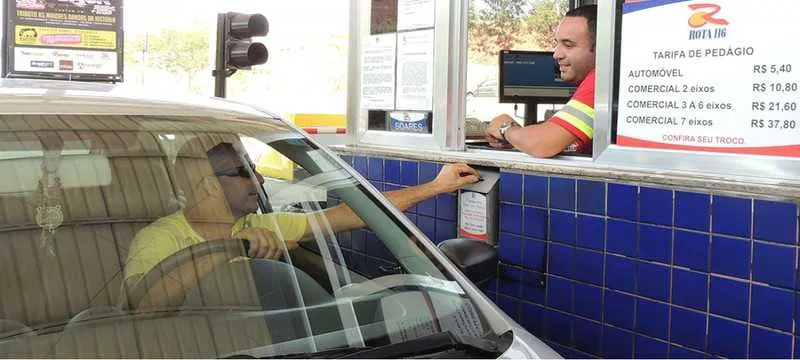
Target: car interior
x: 80, y: 195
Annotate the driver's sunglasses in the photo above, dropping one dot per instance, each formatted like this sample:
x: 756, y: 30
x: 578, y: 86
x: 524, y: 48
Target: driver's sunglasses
x: 240, y: 171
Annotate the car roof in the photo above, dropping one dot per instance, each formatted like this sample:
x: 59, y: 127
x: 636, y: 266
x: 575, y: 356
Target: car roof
x: 23, y: 96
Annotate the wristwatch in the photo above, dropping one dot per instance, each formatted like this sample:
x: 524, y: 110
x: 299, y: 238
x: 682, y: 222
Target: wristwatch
x: 503, y: 128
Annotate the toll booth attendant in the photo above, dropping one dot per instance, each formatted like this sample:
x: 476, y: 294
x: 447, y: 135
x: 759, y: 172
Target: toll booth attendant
x: 571, y: 128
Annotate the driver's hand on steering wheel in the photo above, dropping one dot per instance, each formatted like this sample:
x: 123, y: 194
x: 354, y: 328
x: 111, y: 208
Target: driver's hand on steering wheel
x: 263, y: 243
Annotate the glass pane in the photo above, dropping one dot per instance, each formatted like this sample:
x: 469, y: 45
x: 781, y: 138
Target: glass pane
x: 496, y: 25
x: 122, y: 236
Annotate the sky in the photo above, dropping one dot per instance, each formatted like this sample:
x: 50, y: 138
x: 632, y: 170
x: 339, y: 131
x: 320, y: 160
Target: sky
x: 306, y: 15
x: 297, y: 31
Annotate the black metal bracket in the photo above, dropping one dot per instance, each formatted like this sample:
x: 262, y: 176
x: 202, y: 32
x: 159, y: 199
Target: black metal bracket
x: 228, y: 72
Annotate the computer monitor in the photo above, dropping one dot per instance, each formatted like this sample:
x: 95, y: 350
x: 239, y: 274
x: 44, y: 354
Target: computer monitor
x: 531, y: 77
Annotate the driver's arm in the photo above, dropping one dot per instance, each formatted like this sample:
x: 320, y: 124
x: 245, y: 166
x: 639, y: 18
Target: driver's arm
x: 148, y: 248
x: 169, y: 290
x: 450, y: 178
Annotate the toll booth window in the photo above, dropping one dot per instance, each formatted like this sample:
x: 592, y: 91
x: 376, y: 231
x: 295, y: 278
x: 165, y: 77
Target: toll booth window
x: 383, y: 19
x: 503, y: 82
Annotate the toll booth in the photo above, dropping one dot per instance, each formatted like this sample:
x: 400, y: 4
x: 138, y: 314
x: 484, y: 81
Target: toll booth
x: 666, y: 240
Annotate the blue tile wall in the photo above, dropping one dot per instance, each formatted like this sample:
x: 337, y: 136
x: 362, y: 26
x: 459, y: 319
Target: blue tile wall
x: 690, y: 288
x: 563, y: 227
x: 732, y: 216
x: 621, y: 237
x: 730, y: 256
x: 562, y: 193
x: 727, y: 338
x: 774, y: 264
x: 591, y: 232
x: 623, y: 201
x: 688, y: 328
x: 769, y: 307
x: 535, y: 190
x: 535, y: 223
x: 391, y: 171
x: 691, y: 249
x: 655, y: 243
x: 729, y: 297
x: 655, y: 206
x: 375, y: 169
x: 766, y: 344
x: 677, y: 352
x: 511, y: 188
x: 775, y: 221
x: 693, y: 211
x: 653, y: 280
x: 607, y: 269
x: 649, y: 348
x: 591, y: 197
x: 658, y: 272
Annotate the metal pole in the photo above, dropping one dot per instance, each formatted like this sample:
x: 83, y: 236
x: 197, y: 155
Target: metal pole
x: 221, y: 68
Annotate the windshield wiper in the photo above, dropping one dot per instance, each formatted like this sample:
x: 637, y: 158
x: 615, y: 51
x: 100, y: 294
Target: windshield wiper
x: 436, y: 343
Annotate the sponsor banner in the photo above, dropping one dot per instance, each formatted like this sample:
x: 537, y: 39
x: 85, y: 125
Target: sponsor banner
x: 77, y: 38
x: 713, y: 78
x: 78, y: 13
x: 63, y: 60
x: 62, y: 37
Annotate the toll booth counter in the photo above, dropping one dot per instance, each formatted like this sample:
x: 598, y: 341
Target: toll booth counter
x: 677, y: 236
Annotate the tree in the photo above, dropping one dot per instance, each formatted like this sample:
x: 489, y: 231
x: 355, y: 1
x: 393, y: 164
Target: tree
x: 510, y: 24
x: 181, y: 52
x: 496, y: 25
x: 543, y: 20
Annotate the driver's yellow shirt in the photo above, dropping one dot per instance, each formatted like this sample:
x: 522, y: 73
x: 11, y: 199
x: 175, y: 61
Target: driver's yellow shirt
x: 173, y: 233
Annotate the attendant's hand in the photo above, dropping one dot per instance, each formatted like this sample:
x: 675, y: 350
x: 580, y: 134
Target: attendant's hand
x: 493, y: 135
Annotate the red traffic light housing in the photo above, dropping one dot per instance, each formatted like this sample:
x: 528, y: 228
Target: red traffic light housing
x: 235, y: 47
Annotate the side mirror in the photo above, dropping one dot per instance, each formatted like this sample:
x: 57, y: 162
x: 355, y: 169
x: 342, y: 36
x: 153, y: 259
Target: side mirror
x: 476, y: 259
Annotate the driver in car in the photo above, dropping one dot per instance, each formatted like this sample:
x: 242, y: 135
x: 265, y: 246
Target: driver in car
x: 221, y: 203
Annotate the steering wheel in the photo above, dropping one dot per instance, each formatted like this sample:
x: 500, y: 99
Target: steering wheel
x: 235, y: 248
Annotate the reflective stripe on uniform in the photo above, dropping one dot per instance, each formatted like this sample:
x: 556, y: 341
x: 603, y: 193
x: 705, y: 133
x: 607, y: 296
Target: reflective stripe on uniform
x: 586, y: 109
x: 578, y: 115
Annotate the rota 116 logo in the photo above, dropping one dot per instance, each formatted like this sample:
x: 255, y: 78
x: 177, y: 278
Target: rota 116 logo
x: 705, y: 15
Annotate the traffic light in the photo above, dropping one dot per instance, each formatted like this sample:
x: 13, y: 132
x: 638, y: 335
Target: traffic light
x: 235, y: 47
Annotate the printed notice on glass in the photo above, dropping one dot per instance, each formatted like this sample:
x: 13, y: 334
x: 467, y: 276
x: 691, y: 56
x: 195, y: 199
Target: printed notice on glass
x: 378, y: 71
x: 415, y: 70
x: 415, y: 14
x: 456, y: 314
x: 407, y: 317
x: 713, y: 78
x: 473, y: 216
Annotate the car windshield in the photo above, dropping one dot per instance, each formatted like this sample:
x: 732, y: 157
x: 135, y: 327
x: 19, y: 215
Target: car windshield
x: 121, y: 236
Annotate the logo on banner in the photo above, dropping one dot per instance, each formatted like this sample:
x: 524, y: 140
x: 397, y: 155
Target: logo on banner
x: 66, y: 65
x: 408, y: 121
x: 31, y: 4
x: 42, y: 64
x: 28, y: 36
x: 706, y: 14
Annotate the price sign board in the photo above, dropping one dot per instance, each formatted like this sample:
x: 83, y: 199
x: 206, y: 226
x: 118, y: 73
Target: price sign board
x: 710, y: 76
